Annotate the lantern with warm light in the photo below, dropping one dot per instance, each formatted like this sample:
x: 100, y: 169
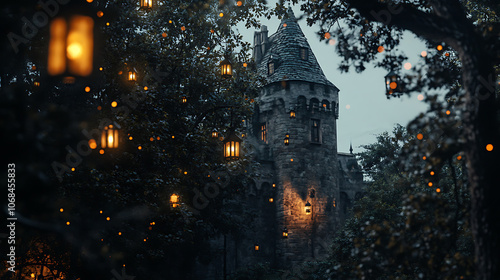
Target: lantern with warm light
x: 232, y: 146
x: 215, y: 134
x: 292, y: 113
x: 132, y: 75
x: 184, y: 99
x: 308, y: 208
x: 110, y: 136
x: 256, y: 247
x: 392, y: 83
x: 287, y: 139
x: 226, y: 69
x: 71, y: 47
x: 146, y: 4
x: 174, y: 200
x: 285, y: 233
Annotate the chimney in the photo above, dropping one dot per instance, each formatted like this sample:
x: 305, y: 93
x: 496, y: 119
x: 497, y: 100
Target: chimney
x: 260, y: 41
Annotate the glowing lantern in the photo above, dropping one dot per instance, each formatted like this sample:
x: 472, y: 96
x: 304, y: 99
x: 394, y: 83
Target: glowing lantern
x: 232, y: 146
x: 285, y: 233
x: 215, y: 134
x: 292, y: 113
x: 226, y: 69
x: 109, y: 136
x: 184, y: 99
x: 146, y: 4
x: 71, y: 47
x: 287, y: 139
x: 392, y: 83
x: 256, y: 247
x: 132, y: 76
x: 174, y: 200
x: 308, y: 208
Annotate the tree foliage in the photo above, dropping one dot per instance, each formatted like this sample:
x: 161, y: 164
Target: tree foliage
x: 403, y: 230
x: 113, y: 207
x: 457, y: 76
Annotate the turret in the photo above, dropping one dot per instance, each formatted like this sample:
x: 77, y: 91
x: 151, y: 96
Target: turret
x: 304, y: 166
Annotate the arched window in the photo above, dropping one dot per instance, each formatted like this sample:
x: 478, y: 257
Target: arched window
x: 325, y: 105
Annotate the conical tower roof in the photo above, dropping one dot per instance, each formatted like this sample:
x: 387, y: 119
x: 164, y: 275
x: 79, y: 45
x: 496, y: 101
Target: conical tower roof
x: 284, y: 49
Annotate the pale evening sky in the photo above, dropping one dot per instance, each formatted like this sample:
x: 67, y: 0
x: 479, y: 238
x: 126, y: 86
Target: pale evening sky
x: 364, y: 109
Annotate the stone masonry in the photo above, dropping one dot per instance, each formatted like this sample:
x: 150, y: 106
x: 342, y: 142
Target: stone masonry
x: 307, y: 170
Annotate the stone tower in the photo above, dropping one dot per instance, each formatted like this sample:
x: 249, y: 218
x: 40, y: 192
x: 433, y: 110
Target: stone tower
x: 304, y: 171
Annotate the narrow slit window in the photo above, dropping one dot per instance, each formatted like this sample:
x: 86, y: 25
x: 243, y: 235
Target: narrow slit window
x: 315, y: 131
x: 303, y: 53
x: 263, y: 133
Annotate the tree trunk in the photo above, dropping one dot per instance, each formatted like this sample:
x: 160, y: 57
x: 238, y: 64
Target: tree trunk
x: 481, y: 121
x: 481, y: 128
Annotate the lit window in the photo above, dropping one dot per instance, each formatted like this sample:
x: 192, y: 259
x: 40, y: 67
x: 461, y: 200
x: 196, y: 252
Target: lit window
x: 270, y: 68
x: 263, y: 133
x: 315, y: 131
x: 303, y: 53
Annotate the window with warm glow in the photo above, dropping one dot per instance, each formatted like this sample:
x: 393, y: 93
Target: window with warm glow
x: 263, y: 133
x: 270, y: 68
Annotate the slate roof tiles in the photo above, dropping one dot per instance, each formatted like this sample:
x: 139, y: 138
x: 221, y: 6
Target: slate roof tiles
x: 284, y: 50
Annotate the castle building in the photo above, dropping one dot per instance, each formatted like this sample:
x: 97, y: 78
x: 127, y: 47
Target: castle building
x: 297, y: 104
x: 304, y: 187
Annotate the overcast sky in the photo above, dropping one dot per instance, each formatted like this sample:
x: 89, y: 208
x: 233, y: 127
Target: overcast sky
x: 364, y: 109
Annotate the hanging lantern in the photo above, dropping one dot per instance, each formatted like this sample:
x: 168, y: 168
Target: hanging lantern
x: 392, y: 83
x: 226, y: 69
x: 132, y: 75
x: 232, y: 146
x: 287, y: 139
x: 110, y: 136
x: 256, y: 247
x: 308, y: 208
x: 146, y: 4
x: 71, y: 47
x: 292, y: 113
x: 215, y: 134
x: 174, y: 200
x: 184, y: 99
x: 285, y: 233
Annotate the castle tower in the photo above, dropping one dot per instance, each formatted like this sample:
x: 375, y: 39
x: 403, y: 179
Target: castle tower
x: 304, y: 171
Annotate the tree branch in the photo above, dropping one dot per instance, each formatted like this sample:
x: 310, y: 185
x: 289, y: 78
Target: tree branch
x: 447, y: 28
